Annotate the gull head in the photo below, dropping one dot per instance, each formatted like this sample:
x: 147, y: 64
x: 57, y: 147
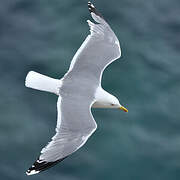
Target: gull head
x: 107, y: 100
x: 114, y: 103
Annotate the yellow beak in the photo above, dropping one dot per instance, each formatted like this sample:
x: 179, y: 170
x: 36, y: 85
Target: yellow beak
x: 123, y: 108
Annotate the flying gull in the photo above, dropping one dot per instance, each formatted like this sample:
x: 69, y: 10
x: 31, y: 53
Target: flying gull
x: 78, y: 91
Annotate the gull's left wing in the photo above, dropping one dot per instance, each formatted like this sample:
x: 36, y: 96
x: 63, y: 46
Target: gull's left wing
x: 75, y: 124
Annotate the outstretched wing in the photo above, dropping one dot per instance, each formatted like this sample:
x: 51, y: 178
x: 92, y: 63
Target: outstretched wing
x: 99, y: 49
x: 74, y: 126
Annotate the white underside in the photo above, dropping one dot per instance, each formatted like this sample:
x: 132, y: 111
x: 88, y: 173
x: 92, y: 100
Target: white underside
x: 41, y: 82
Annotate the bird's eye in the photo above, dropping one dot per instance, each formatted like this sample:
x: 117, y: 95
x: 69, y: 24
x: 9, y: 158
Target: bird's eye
x: 112, y: 104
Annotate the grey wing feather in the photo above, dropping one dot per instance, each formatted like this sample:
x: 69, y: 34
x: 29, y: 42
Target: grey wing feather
x: 74, y: 126
x: 99, y: 49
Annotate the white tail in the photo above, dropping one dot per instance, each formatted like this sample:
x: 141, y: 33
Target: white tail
x: 41, y: 82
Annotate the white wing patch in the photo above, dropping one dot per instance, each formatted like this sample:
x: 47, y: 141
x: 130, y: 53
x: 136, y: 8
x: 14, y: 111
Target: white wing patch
x: 95, y: 28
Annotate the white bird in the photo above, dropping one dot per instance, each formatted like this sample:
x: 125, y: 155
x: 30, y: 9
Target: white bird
x: 78, y: 91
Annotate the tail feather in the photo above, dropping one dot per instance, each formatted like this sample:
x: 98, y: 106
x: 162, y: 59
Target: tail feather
x: 41, y: 82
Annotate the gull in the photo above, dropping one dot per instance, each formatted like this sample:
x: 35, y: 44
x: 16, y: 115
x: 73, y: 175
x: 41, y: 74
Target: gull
x: 78, y: 91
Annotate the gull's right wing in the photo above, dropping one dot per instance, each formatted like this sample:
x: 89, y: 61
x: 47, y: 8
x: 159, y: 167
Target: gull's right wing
x: 99, y: 49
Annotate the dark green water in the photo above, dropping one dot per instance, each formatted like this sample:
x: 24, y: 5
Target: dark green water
x: 43, y: 35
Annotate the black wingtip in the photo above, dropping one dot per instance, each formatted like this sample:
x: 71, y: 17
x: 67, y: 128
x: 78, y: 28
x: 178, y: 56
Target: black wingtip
x: 92, y: 9
x: 41, y: 165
